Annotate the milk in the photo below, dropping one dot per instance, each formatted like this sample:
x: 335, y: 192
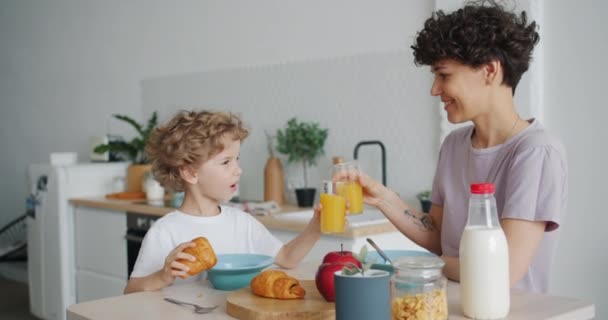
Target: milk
x: 484, y: 273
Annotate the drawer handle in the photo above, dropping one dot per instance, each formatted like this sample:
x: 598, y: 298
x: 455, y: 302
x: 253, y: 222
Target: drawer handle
x: 134, y: 238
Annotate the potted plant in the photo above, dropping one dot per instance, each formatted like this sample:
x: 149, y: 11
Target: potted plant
x: 425, y: 200
x: 133, y: 150
x: 302, y: 142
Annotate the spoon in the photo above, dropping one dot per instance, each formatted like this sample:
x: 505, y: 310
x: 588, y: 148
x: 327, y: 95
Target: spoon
x: 197, y: 309
x: 380, y: 252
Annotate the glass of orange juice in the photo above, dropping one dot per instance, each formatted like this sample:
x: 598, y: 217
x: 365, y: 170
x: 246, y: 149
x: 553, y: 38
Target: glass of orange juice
x: 349, y: 173
x: 333, y: 207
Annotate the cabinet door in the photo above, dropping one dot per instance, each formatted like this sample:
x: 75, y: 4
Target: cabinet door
x: 100, y: 243
x: 93, y: 286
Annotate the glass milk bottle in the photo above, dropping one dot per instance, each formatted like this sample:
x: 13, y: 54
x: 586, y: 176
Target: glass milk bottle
x: 484, y: 259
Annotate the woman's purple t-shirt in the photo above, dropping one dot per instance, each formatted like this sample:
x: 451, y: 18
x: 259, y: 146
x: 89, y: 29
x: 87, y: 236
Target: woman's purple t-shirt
x: 530, y: 175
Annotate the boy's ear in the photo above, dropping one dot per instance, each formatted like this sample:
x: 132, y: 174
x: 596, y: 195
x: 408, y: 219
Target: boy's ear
x: 493, y: 71
x: 188, y: 174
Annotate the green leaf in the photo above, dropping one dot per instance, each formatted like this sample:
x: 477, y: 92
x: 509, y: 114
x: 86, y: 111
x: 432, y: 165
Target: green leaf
x: 363, y: 252
x: 101, y: 148
x: 362, y: 258
x: 366, y: 266
x: 134, y: 150
x: 350, y: 269
x: 130, y: 121
x: 424, y: 195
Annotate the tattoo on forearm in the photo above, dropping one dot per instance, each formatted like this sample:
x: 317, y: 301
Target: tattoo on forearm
x: 424, y: 222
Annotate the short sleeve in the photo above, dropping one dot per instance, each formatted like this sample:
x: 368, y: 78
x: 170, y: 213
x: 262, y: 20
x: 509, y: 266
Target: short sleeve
x: 537, y: 186
x: 437, y: 193
x: 154, y: 249
x: 261, y: 240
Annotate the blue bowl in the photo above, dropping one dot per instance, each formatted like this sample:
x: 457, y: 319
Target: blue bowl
x: 234, y: 271
x: 380, y: 264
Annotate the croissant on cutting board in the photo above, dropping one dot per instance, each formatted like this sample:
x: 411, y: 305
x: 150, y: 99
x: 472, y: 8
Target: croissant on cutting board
x: 204, y: 254
x: 277, y: 284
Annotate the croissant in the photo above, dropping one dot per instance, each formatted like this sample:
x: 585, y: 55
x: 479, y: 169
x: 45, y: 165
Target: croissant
x: 277, y: 284
x: 204, y: 254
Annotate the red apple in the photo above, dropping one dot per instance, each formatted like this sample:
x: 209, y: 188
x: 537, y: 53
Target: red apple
x: 332, y: 262
x: 341, y: 257
x: 324, y: 279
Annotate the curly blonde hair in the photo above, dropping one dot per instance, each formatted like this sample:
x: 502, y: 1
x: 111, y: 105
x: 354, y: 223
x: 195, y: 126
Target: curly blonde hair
x: 189, y: 139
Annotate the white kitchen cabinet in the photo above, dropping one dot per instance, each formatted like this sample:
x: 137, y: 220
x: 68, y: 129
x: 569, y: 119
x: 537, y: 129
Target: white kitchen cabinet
x: 101, y: 253
x: 93, y: 286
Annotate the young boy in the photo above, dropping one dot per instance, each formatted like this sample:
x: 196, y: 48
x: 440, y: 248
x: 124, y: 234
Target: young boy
x: 198, y: 152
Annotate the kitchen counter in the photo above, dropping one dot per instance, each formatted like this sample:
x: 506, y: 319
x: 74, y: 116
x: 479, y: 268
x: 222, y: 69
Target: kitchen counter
x: 273, y: 222
x: 150, y: 305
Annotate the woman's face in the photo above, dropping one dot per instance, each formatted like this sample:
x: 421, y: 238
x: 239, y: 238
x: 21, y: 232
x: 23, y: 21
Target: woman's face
x: 462, y: 89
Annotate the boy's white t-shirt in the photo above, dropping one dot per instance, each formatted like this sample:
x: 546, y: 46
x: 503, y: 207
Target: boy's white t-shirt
x: 231, y: 231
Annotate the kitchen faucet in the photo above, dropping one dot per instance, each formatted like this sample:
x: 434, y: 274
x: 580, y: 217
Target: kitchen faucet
x: 362, y: 143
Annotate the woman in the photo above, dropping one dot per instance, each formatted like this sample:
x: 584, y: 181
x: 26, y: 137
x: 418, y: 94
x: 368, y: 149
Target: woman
x: 478, y: 55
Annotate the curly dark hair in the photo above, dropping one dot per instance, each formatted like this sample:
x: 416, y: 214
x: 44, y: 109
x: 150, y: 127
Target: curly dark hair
x: 477, y: 34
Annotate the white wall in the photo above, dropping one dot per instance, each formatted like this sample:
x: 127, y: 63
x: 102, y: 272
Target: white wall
x: 576, y: 47
x: 65, y: 66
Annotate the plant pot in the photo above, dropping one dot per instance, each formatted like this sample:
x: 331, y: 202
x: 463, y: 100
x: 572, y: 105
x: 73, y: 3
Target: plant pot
x: 305, y: 196
x: 425, y: 205
x: 135, y: 176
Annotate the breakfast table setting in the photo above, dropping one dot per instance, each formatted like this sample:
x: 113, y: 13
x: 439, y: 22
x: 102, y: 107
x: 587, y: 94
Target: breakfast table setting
x: 242, y: 304
x: 343, y: 285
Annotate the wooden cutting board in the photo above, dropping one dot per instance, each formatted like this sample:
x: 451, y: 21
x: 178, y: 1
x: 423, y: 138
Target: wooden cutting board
x: 243, y: 304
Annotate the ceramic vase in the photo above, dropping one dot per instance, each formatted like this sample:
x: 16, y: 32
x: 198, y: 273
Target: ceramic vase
x: 274, y: 183
x: 135, y: 176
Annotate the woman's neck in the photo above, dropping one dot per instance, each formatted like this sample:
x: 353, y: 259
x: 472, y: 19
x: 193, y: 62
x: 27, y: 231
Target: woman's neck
x: 499, y: 123
x: 199, y: 205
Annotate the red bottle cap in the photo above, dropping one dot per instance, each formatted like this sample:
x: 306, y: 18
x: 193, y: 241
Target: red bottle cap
x: 482, y: 188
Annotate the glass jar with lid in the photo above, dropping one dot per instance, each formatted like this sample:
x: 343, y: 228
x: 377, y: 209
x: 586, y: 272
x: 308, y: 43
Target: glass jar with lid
x: 418, y: 289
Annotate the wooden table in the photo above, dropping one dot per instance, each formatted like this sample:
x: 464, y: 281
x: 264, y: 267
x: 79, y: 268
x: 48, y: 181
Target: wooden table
x: 150, y: 305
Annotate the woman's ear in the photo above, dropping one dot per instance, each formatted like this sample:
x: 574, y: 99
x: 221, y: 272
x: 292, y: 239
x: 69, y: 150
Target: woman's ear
x: 188, y: 174
x: 493, y: 72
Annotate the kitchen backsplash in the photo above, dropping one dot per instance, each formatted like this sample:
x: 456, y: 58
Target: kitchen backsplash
x: 380, y: 96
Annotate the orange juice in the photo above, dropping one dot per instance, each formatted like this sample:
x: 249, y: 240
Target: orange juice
x: 332, y: 213
x: 354, y: 193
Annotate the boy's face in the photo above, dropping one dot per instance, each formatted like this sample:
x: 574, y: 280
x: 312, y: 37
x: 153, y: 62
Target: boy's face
x: 218, y: 177
x: 462, y: 89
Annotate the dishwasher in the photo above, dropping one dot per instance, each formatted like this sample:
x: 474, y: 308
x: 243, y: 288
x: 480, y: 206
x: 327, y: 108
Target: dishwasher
x: 137, y: 226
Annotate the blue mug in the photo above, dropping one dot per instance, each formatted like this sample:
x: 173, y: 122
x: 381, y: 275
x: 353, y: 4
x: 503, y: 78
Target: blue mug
x: 363, y: 297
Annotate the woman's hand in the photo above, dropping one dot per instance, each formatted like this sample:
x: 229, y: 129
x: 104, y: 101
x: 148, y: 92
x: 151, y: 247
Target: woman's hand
x: 174, y: 268
x: 373, y: 191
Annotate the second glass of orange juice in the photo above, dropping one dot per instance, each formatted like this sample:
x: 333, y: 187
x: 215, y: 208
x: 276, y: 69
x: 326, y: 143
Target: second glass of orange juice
x: 349, y: 173
x: 333, y: 210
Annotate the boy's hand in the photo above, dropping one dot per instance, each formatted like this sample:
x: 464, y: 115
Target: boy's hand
x: 315, y: 221
x: 172, y: 267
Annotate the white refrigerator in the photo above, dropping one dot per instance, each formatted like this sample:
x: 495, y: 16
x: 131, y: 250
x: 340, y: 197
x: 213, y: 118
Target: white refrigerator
x: 50, y: 230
